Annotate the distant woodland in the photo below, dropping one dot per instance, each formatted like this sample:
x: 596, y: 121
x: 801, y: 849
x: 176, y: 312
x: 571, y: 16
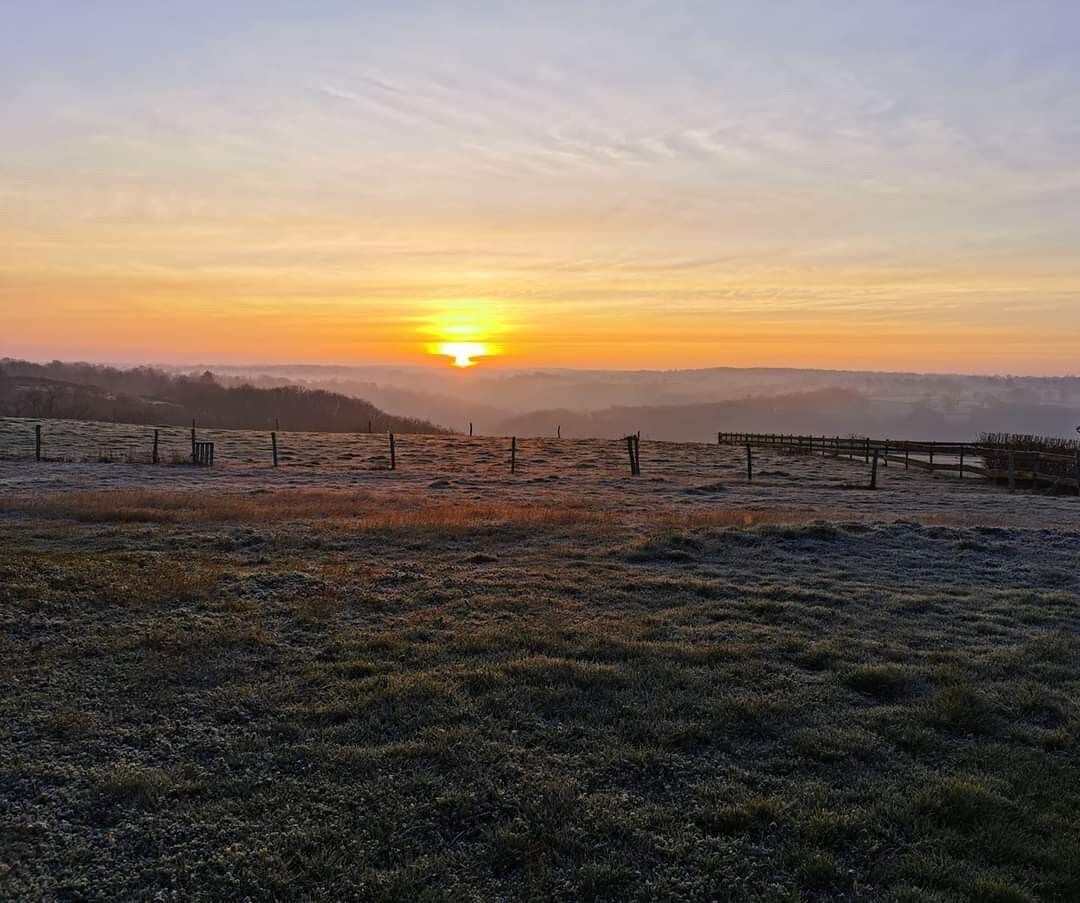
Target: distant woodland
x: 149, y: 395
x: 830, y: 412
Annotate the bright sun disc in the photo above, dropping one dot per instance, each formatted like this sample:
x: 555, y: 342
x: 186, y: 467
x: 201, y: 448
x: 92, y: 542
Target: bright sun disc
x: 463, y: 352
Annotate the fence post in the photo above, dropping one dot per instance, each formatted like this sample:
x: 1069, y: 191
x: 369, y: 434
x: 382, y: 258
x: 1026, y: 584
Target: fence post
x: 719, y: 438
x: 513, y: 455
x: 637, y: 453
x: 558, y: 431
x: 37, y: 442
x: 866, y: 450
x: 192, y: 438
x: 154, y: 453
x: 749, y: 465
x: 931, y: 459
x: 1012, y: 471
x: 393, y: 453
x: 273, y: 445
x: 470, y: 428
x: 873, y: 471
x: 630, y: 452
x: 885, y: 459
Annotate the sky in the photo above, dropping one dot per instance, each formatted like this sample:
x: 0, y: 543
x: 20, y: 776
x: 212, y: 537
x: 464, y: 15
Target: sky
x: 882, y: 185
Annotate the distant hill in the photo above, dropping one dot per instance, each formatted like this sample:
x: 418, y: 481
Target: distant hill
x: 587, y: 402
x: 148, y: 395
x: 433, y: 406
x: 830, y: 412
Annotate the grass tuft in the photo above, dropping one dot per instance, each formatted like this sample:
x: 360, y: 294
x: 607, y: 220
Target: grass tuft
x: 817, y: 869
x: 961, y: 708
x: 884, y: 682
x: 959, y: 801
x: 745, y: 816
x: 125, y: 784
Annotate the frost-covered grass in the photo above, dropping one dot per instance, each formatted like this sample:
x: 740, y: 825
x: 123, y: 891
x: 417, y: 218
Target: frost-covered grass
x: 289, y: 699
x: 458, y: 471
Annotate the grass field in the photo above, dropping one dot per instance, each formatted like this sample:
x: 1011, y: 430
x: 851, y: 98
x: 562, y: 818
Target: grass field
x: 303, y: 695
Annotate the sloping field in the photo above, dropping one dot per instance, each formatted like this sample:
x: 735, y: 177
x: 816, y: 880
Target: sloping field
x: 450, y: 682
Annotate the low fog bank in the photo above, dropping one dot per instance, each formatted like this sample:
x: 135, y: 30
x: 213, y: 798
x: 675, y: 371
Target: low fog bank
x: 824, y: 412
x: 684, y: 405
x: 692, y: 405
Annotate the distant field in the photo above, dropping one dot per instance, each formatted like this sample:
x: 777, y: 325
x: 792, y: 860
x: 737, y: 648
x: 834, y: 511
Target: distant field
x: 451, y: 683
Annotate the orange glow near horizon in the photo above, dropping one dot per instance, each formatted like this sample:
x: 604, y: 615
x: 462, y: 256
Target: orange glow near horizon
x: 458, y: 191
x: 603, y: 316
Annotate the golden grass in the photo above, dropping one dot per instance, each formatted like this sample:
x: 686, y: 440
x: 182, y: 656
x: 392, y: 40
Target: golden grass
x: 361, y: 511
x: 358, y: 510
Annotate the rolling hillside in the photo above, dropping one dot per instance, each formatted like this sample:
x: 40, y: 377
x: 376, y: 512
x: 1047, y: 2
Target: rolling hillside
x: 147, y: 395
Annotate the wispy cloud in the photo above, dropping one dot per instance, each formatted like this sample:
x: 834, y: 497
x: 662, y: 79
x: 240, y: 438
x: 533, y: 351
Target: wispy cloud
x: 685, y: 159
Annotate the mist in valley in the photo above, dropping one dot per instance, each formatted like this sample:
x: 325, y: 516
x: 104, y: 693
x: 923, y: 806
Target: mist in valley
x: 693, y: 405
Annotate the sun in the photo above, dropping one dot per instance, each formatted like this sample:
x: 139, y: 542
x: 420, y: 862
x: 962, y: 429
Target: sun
x: 464, y: 352
x: 464, y: 331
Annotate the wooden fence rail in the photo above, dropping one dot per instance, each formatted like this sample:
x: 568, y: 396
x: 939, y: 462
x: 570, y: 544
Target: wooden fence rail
x: 987, y: 461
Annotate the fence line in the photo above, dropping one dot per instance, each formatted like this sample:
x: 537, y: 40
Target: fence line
x: 998, y: 462
x: 1013, y: 465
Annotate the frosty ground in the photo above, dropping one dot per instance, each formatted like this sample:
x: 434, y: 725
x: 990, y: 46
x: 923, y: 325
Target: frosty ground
x: 450, y: 682
x: 687, y: 476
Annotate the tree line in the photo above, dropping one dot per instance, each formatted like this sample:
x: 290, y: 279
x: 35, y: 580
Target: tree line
x: 149, y: 395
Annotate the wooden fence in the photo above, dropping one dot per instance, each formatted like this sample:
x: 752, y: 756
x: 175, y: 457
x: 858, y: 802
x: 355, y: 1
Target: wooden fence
x: 993, y: 462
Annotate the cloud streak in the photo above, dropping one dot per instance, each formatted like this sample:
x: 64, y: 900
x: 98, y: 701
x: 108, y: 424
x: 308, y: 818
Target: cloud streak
x: 684, y: 160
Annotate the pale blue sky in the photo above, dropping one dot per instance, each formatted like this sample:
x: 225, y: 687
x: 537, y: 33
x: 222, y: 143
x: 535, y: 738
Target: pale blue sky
x: 903, y: 163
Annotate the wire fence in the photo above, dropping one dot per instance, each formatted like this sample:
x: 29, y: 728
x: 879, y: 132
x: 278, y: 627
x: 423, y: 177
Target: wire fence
x: 1019, y: 464
x: 72, y: 441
